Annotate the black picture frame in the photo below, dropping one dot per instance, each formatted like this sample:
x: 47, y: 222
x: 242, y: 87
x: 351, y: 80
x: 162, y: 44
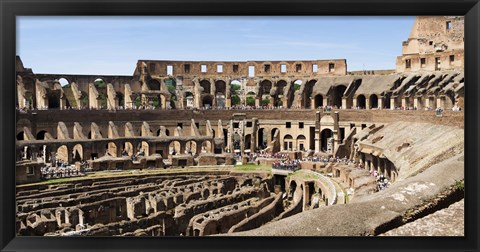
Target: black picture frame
x: 12, y: 8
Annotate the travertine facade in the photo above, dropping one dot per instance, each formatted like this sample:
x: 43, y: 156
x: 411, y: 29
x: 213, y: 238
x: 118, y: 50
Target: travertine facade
x: 436, y: 43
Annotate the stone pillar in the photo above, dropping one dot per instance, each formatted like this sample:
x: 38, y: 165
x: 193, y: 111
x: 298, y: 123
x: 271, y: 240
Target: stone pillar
x: 355, y: 102
x: 440, y: 103
x: 344, y: 103
x: 380, y: 102
x: 44, y: 154
x: 404, y: 102
x: 312, y: 103
x: 392, y: 102
x: 257, y: 101
x: 163, y: 101
x: 367, y: 103
x: 317, y: 131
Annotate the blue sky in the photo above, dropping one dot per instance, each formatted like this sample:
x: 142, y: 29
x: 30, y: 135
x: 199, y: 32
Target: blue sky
x: 112, y: 45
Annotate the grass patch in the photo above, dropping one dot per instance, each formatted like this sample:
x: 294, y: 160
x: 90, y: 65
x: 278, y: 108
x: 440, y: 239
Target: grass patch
x: 302, y: 175
x: 251, y: 167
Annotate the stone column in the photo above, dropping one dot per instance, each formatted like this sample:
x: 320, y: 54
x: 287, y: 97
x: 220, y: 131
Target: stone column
x: 392, y: 102
x: 367, y: 103
x: 440, y: 103
x: 380, y: 102
x: 344, y: 103
x: 404, y: 102
x: 312, y: 103
x: 355, y: 102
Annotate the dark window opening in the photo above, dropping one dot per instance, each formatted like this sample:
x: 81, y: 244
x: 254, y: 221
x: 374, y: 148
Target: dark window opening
x: 236, y: 125
x: 298, y: 68
x: 430, y: 43
x: 422, y: 62
x: 186, y: 68
x: 180, y: 125
x: 364, y: 126
x: 288, y: 125
x: 408, y: 63
x: 452, y: 58
x: 197, y: 124
x: 331, y: 67
x: 352, y: 125
x: 235, y: 68
x: 266, y: 69
x: 300, y: 125
x: 249, y: 124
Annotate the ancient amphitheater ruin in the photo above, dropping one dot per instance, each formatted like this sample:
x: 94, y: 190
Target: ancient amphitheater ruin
x: 291, y: 148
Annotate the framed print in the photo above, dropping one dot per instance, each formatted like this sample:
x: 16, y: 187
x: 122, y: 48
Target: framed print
x: 239, y: 126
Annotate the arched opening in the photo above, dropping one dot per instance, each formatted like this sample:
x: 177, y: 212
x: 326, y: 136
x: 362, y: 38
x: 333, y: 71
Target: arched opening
x: 235, y: 89
x: 41, y: 135
x: 220, y: 87
x: 171, y: 86
x: 292, y: 188
x: 373, y: 101
x: 420, y: 102
x: 205, y: 84
x: 361, y: 102
x: 144, y: 148
x: 250, y: 99
x: 327, y: 140
x: 307, y: 93
x: 127, y: 149
x: 100, y: 83
x: 191, y: 147
x: 265, y: 87
x: 225, y: 137
x: 207, y: 101
x: 64, y: 82
x: 280, y: 93
x: 53, y: 99
x: 311, y: 192
x: 273, y: 132
x: 236, y: 141
x: 301, y: 142
x: 188, y: 102
x: 206, y: 146
x: 167, y: 132
x: 111, y: 149
x: 62, y: 154
x: 337, y: 96
x: 248, y: 141
x: 287, y: 142
x: 262, y: 138
x: 318, y: 101
x: 448, y: 100
x: 154, y: 85
x: 20, y: 136
x: 121, y: 99
x: 77, y: 153
x: 174, y: 148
